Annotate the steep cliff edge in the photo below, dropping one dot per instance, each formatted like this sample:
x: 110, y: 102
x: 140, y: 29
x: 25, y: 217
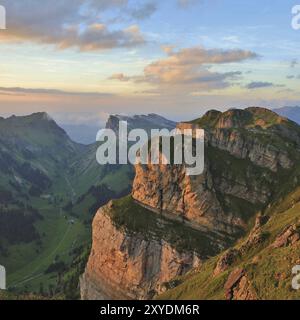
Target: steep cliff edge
x: 135, y: 252
x: 173, y: 223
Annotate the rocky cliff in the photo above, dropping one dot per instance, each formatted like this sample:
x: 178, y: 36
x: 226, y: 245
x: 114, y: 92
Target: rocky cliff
x: 124, y: 266
x: 135, y: 259
x: 174, y: 222
x: 245, y: 155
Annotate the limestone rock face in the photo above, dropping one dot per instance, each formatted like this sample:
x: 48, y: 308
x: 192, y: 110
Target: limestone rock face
x: 199, y: 199
x: 241, y: 164
x: 245, y: 147
x: 167, y: 188
x: 127, y: 266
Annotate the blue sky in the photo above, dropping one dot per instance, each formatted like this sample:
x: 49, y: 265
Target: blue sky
x: 81, y: 60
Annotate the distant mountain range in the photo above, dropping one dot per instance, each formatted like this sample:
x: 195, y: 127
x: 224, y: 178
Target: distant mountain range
x: 86, y: 134
x: 292, y: 113
x: 146, y: 122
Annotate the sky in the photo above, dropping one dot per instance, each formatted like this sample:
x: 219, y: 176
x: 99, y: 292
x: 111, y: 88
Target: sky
x: 81, y: 60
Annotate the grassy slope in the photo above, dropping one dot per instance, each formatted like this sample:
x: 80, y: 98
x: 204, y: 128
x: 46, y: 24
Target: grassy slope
x: 269, y: 273
x: 27, y: 263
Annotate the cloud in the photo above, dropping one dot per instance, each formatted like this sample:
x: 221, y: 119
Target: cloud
x: 42, y: 91
x: 68, y: 24
x: 214, y: 77
x: 190, y: 69
x: 261, y: 84
x: 91, y: 119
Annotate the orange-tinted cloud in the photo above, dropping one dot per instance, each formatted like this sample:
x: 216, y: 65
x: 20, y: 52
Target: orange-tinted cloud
x: 189, y: 69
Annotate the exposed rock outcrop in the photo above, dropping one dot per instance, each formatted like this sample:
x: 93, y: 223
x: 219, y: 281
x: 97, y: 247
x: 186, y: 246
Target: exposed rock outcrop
x: 250, y: 147
x: 289, y: 236
x: 169, y: 189
x: 256, y: 237
x: 238, y: 286
x: 129, y: 266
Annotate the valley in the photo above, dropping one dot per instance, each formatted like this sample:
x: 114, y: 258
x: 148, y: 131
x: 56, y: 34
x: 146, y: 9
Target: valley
x: 41, y: 182
x: 50, y: 189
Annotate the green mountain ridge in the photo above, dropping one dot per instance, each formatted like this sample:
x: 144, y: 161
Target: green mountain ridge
x: 49, y: 189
